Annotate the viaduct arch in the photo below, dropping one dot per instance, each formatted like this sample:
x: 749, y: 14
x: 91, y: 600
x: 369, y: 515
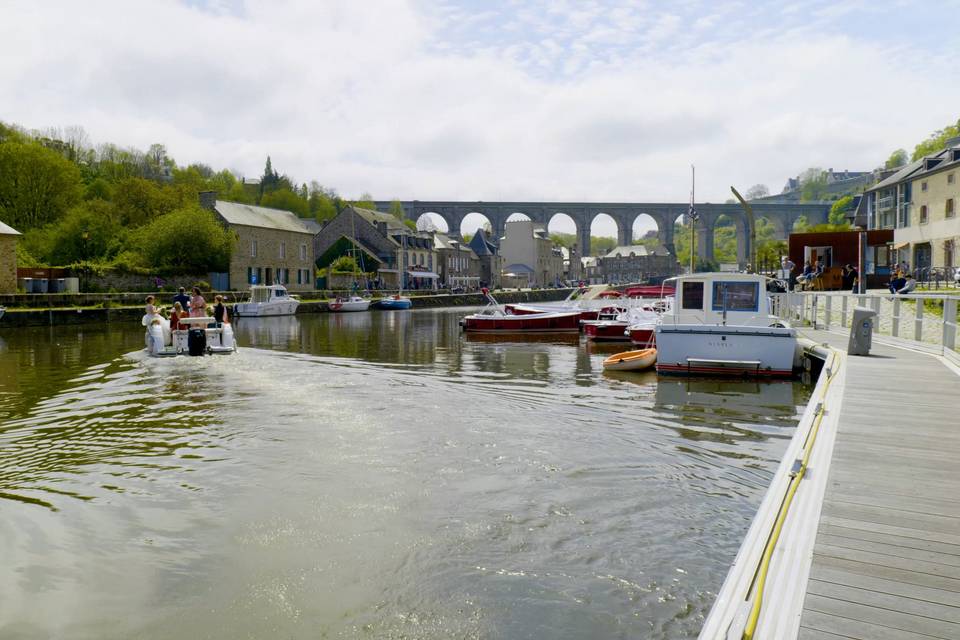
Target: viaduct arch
x: 781, y: 214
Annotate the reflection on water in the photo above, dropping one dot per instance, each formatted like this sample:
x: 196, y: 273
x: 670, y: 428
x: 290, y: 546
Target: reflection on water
x: 368, y: 475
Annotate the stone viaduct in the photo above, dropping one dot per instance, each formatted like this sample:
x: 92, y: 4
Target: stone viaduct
x: 781, y: 214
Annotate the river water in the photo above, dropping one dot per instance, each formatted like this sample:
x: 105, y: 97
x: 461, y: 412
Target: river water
x: 375, y: 475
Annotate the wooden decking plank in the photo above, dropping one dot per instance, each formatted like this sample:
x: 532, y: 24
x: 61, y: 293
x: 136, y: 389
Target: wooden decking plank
x: 899, y: 620
x: 882, y: 585
x: 904, y: 576
x: 885, y: 601
x: 896, y: 551
x: 807, y: 633
x: 887, y: 560
x: 894, y: 517
x: 907, y: 504
x: 856, y: 628
x: 907, y: 532
x: 868, y: 535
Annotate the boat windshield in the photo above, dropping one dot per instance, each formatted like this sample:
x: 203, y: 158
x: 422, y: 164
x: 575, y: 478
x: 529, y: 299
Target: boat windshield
x: 259, y: 294
x: 736, y: 296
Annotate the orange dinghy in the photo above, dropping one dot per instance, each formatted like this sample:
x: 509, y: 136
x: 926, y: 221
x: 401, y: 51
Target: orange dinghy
x: 631, y: 360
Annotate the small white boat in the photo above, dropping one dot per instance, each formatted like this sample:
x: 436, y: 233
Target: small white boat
x: 267, y: 300
x: 720, y: 324
x: 353, y: 303
x: 202, y: 337
x: 631, y: 360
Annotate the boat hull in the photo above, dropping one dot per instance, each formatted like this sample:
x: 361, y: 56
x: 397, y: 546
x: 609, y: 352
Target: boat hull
x: 643, y: 336
x: 717, y: 350
x: 265, y: 309
x: 529, y: 323
x: 606, y: 330
x: 351, y: 305
x: 631, y: 360
x: 394, y: 304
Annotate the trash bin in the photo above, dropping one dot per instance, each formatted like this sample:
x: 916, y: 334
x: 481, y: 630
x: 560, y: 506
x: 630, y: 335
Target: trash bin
x: 57, y: 285
x: 861, y: 331
x: 71, y: 285
x: 40, y: 285
x: 26, y: 284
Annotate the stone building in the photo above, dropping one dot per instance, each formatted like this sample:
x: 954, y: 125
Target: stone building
x: 488, y: 253
x: 458, y: 265
x: 637, y: 263
x: 527, y: 244
x: 382, y: 244
x: 8, y: 259
x: 919, y: 202
x: 272, y: 246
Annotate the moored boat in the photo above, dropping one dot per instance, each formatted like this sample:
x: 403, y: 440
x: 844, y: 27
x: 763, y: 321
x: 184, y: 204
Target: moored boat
x: 353, y: 303
x: 267, y: 300
x: 606, y: 330
x: 494, y: 319
x: 720, y: 324
x: 394, y: 302
x: 631, y: 360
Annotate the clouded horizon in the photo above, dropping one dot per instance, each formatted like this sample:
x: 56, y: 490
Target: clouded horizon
x: 501, y: 100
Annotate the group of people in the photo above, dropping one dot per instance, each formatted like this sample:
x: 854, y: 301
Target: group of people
x: 185, y: 306
x: 813, y: 271
x: 902, y: 280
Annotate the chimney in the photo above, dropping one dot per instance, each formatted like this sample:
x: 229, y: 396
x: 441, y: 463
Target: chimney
x: 208, y: 199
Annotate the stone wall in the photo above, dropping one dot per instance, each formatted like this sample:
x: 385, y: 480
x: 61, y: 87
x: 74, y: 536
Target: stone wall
x: 131, y: 282
x: 268, y: 256
x: 8, y: 264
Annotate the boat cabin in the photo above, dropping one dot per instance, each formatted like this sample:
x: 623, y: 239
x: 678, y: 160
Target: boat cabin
x: 268, y: 293
x: 720, y: 298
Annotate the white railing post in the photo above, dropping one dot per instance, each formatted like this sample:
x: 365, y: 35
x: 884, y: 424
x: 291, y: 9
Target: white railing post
x: 895, y: 320
x: 875, y: 305
x: 918, y: 321
x: 949, y: 323
x: 843, y: 310
x: 827, y: 308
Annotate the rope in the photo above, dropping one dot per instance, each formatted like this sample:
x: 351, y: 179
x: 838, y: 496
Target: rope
x: 764, y: 566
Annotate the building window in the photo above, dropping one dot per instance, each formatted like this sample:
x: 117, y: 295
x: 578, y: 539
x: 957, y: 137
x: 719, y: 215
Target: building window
x: 948, y: 253
x: 923, y: 186
x: 253, y: 248
x: 949, y: 210
x: 303, y: 252
x: 923, y: 213
x: 283, y: 250
x: 950, y: 178
x: 249, y: 275
x: 299, y: 276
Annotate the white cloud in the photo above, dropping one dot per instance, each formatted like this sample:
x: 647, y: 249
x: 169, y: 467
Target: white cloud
x: 400, y: 99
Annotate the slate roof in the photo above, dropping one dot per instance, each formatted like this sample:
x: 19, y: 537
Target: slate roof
x: 518, y: 268
x: 6, y: 230
x: 248, y: 215
x: 481, y: 245
x: 899, y: 176
x: 637, y: 250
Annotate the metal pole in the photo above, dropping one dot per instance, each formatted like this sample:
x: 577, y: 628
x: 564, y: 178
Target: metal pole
x: 693, y: 219
x: 861, y: 259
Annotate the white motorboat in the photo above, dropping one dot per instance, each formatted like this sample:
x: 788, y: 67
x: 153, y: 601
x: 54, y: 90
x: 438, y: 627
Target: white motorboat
x: 720, y: 324
x: 267, y: 300
x: 201, y: 337
x: 353, y: 303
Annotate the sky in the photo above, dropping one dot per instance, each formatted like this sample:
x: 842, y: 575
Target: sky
x: 492, y: 99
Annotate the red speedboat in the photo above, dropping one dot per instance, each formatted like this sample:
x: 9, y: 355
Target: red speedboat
x: 606, y: 330
x: 493, y: 319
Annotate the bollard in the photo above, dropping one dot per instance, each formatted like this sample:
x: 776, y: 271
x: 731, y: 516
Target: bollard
x: 861, y: 331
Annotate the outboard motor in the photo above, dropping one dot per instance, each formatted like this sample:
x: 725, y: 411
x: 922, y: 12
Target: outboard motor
x: 226, y: 336
x: 197, y: 341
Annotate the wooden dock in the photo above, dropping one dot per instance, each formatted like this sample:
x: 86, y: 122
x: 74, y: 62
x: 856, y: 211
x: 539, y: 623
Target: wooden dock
x: 886, y: 558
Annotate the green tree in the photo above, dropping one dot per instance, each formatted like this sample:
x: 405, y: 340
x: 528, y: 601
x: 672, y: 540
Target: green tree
x: 601, y: 245
x: 37, y: 185
x: 897, y: 159
x: 936, y: 141
x: 88, y: 232
x: 344, y: 264
x: 813, y: 184
x: 366, y: 202
x: 138, y: 201
x: 286, y: 200
x: 838, y: 212
x: 99, y: 189
x: 757, y: 191
x: 186, y: 241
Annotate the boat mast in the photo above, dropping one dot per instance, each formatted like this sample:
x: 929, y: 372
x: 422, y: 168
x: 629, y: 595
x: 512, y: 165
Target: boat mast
x: 693, y: 219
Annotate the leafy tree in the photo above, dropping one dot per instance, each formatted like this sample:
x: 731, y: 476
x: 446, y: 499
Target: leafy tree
x: 813, y: 184
x: 897, y: 159
x: 410, y: 224
x: 37, y: 185
x: 366, y: 202
x: 601, y: 245
x: 936, y: 141
x: 757, y: 191
x: 139, y: 201
x: 838, y: 212
x: 566, y: 240
x: 99, y: 189
x: 396, y: 209
x: 344, y: 264
x: 88, y: 232
x: 186, y: 241
x: 286, y: 200
x: 801, y: 225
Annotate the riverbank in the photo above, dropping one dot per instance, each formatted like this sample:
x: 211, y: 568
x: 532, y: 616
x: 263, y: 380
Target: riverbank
x: 128, y: 307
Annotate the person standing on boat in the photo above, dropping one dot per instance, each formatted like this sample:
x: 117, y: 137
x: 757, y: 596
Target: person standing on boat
x: 220, y: 315
x: 182, y: 298
x: 175, y: 316
x: 198, y: 306
x: 151, y: 309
